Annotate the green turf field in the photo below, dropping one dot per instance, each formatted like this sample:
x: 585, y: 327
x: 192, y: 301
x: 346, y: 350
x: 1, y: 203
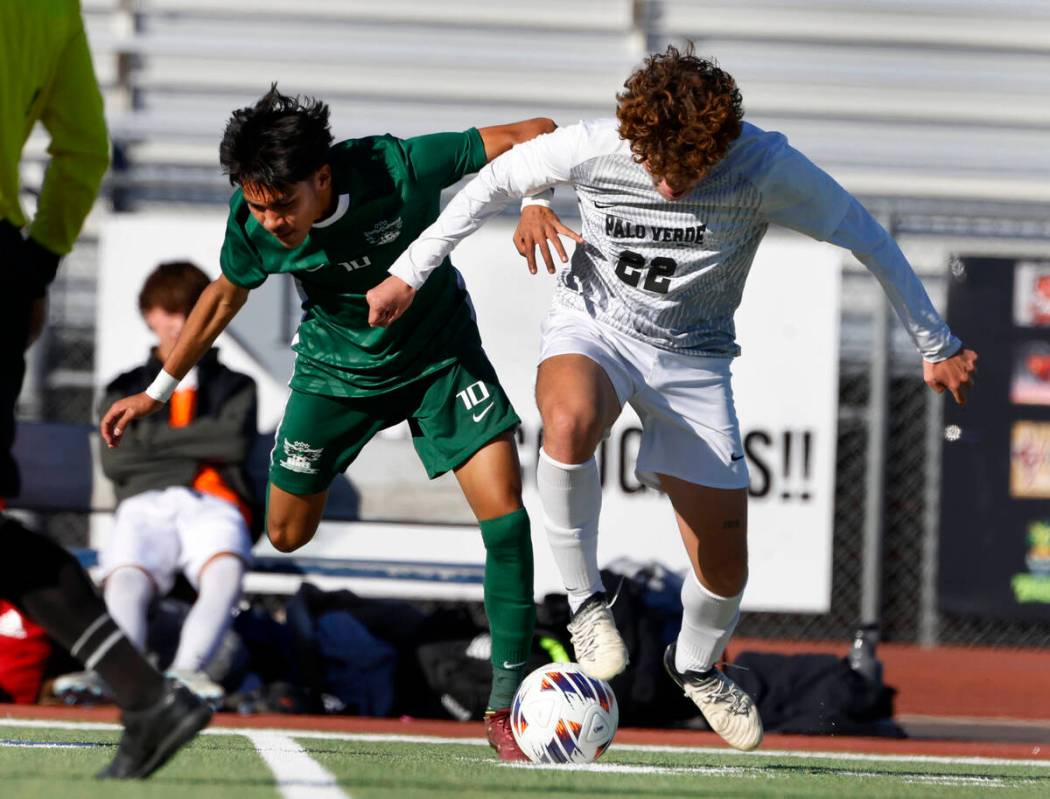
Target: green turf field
x: 50, y: 763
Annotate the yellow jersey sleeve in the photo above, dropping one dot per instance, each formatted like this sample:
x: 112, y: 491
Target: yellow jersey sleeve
x: 50, y: 78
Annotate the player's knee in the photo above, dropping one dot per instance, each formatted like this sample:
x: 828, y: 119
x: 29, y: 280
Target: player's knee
x: 285, y: 537
x: 503, y: 502
x: 570, y: 433
x: 729, y: 579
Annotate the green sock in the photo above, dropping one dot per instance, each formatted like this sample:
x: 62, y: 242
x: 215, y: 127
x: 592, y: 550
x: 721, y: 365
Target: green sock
x: 509, y: 602
x: 505, y: 684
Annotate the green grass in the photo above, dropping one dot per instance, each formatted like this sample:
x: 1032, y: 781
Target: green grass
x: 213, y: 767
x: 227, y: 766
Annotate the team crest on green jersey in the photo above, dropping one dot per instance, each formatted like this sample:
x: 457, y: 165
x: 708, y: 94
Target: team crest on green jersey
x: 384, y: 232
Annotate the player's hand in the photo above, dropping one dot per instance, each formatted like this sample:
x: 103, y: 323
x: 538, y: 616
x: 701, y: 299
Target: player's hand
x: 388, y: 300
x: 123, y: 412
x: 538, y: 225
x: 954, y: 374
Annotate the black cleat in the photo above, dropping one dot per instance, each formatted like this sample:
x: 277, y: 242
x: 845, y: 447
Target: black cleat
x: 153, y: 735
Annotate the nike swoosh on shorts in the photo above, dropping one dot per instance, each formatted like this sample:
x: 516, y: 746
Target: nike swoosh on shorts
x: 479, y: 416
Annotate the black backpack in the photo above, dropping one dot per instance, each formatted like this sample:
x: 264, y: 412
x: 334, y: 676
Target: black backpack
x: 815, y: 695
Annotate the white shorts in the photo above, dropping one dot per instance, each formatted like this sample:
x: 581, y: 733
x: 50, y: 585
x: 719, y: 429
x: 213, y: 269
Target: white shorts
x: 685, y: 402
x: 174, y: 529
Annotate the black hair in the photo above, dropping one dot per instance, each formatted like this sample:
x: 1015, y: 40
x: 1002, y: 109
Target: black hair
x: 279, y: 141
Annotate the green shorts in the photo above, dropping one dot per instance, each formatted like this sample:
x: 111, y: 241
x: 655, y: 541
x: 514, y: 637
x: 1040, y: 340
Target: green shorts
x: 452, y: 413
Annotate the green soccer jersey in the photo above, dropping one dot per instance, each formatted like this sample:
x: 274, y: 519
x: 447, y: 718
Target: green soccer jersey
x: 387, y: 190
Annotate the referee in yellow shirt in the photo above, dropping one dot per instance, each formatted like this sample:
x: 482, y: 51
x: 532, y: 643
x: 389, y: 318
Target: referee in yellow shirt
x: 46, y: 75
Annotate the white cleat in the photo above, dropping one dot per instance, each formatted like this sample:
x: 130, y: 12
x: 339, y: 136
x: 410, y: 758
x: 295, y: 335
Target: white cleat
x: 82, y: 688
x: 600, y: 650
x: 727, y: 707
x: 199, y: 683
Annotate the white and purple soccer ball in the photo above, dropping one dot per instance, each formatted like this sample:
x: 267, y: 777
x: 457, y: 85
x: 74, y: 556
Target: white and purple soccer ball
x: 560, y: 715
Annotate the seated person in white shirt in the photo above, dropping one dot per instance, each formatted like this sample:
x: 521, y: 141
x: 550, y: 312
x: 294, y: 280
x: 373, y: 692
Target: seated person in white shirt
x: 184, y: 501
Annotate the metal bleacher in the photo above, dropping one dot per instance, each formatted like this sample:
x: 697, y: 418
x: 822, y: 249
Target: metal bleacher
x: 913, y: 98
x: 405, y: 67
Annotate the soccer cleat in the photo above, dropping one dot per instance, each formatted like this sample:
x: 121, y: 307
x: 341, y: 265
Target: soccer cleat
x: 200, y: 683
x: 600, y: 650
x: 82, y: 688
x: 153, y: 735
x: 497, y: 730
x: 727, y: 707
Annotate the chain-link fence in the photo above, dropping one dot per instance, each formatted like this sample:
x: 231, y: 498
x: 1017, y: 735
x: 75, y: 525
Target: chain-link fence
x: 908, y: 569
x: 60, y: 380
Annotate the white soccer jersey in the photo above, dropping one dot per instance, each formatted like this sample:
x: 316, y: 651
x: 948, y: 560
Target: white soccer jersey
x: 672, y: 273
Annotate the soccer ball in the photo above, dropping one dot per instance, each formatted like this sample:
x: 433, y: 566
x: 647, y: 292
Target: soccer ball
x: 560, y: 715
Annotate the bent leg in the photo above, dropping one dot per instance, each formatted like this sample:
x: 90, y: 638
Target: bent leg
x: 578, y: 404
x: 128, y: 592
x: 491, y: 482
x: 491, y: 478
x: 318, y: 438
x: 713, y: 525
x: 218, y: 592
x: 140, y: 559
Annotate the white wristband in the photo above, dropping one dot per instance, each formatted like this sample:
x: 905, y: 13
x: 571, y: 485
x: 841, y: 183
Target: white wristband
x: 162, y: 387
x: 542, y: 198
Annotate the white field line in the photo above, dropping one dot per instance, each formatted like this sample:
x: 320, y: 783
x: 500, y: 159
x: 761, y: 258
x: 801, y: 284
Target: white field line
x: 625, y: 768
x: 756, y: 771
x: 298, y: 775
x: 9, y: 744
x: 433, y: 739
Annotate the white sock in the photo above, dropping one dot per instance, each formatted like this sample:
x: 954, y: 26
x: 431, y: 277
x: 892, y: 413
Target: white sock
x: 572, y: 501
x: 128, y: 593
x: 708, y: 621
x: 211, y: 615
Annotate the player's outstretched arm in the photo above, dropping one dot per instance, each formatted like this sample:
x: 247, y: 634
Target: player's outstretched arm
x: 524, y: 170
x: 215, y: 309
x: 954, y: 374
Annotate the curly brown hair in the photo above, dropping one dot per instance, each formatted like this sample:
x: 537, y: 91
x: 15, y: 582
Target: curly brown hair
x: 680, y: 113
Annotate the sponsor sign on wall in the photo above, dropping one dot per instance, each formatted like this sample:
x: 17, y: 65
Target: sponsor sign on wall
x: 785, y: 385
x: 995, y: 490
